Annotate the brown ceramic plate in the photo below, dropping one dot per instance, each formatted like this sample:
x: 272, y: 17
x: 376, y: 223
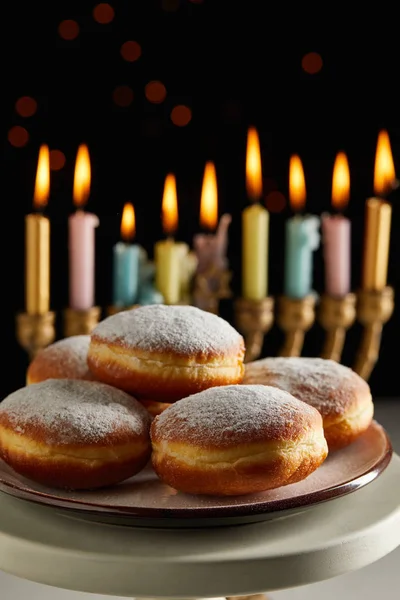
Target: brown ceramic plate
x: 145, y: 501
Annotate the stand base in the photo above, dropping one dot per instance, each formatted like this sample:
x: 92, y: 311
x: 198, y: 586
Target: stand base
x: 328, y: 540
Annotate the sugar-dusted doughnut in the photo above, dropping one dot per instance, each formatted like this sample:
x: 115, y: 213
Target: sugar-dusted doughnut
x: 164, y: 353
x: 154, y: 408
x: 338, y: 393
x: 73, y: 434
x: 65, y: 359
x: 236, y: 440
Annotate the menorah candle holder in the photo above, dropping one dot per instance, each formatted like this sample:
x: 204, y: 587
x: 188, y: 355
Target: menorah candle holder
x: 81, y: 322
x: 35, y: 332
x: 254, y: 318
x: 295, y: 317
x: 336, y: 316
x: 210, y: 287
x: 113, y: 310
x: 374, y: 309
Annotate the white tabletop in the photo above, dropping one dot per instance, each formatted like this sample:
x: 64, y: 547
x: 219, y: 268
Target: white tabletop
x: 327, y: 541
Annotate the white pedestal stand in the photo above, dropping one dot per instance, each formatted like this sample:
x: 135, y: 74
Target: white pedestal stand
x: 328, y: 540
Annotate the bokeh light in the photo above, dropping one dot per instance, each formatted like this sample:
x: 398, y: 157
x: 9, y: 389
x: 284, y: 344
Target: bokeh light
x: 181, y: 115
x: 68, y: 30
x: 131, y: 51
x: 275, y: 201
x: 18, y: 136
x: 26, y: 106
x: 57, y: 160
x: 103, y: 13
x: 312, y: 63
x: 170, y: 5
x: 123, y: 96
x: 155, y: 92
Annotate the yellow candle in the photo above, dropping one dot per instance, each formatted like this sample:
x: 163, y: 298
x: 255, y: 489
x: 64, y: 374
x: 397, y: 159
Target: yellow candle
x: 167, y: 253
x: 37, y: 243
x: 378, y: 218
x: 255, y: 225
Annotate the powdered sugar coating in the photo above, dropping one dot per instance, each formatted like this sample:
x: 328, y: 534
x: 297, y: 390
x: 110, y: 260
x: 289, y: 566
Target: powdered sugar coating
x: 66, y: 358
x: 183, y: 330
x: 67, y: 411
x: 327, y: 385
x: 234, y: 414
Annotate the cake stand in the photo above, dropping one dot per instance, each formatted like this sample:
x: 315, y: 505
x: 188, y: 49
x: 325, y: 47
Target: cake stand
x: 330, y: 539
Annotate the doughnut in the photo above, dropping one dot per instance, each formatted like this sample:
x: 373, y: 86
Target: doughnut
x: 72, y: 434
x: 154, y: 408
x: 341, y: 396
x: 65, y: 359
x: 237, y: 440
x: 165, y: 353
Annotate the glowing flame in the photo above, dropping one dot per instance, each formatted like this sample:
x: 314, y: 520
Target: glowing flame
x: 42, y: 182
x: 341, y: 182
x: 253, y: 165
x: 297, y: 183
x: 128, y: 222
x: 384, y: 174
x: 209, y: 198
x: 169, y: 206
x: 82, y: 177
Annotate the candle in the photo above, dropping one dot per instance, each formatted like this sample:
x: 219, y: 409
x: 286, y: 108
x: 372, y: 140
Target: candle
x: 302, y: 237
x: 378, y: 216
x: 336, y: 231
x: 126, y: 262
x: 211, y: 248
x: 255, y: 227
x: 82, y: 238
x: 37, y: 242
x: 167, y: 252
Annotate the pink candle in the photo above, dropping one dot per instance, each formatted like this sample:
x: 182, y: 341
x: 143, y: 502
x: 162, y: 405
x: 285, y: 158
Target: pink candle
x: 211, y: 248
x: 336, y: 230
x: 82, y: 239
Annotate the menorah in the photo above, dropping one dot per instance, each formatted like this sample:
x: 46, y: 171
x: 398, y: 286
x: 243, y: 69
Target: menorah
x: 253, y: 318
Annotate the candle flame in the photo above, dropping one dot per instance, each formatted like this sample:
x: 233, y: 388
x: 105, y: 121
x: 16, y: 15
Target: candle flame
x: 384, y: 173
x: 209, y: 198
x: 82, y: 177
x: 128, y: 223
x: 42, y: 182
x: 253, y: 165
x: 169, y: 206
x: 340, y: 182
x: 297, y: 183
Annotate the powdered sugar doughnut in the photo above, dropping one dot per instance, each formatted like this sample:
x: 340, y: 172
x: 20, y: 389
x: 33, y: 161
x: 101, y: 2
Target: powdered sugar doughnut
x: 236, y: 440
x: 65, y: 359
x: 338, y: 393
x: 154, y: 408
x: 164, y: 353
x: 73, y: 434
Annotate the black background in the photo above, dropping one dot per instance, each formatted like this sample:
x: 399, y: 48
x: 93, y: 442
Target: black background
x: 234, y: 64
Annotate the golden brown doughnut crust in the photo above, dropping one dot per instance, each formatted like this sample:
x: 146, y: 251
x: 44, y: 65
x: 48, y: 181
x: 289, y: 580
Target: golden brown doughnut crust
x: 341, y: 396
x: 164, y: 353
x: 65, y: 359
x: 237, y: 440
x: 154, y: 408
x: 74, y: 434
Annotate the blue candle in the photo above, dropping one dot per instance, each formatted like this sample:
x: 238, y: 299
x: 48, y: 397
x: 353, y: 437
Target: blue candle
x: 302, y: 239
x: 126, y: 262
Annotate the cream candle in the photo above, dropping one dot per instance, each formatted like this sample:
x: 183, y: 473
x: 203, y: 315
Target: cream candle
x: 82, y: 238
x: 37, y: 242
x: 378, y: 217
x: 255, y: 227
x: 167, y: 253
x: 211, y: 248
x: 302, y: 237
x: 336, y: 230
